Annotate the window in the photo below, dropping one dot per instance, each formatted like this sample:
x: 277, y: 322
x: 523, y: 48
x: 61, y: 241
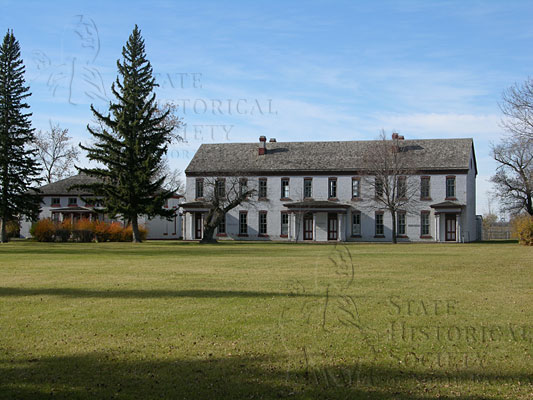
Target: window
x: 424, y: 188
x: 263, y: 223
x: 284, y: 224
x: 450, y: 187
x: 356, y: 224
x: 221, y: 230
x: 56, y: 202
x: 243, y: 186
x: 243, y: 223
x: 356, y: 188
x: 332, y: 188
x: 400, y: 222
x: 424, y: 223
x: 285, y: 188
x: 308, y: 188
x: 220, y: 187
x: 379, y: 225
x: 262, y: 188
x: 379, y: 187
x: 72, y: 201
x: 402, y: 187
x: 199, y: 188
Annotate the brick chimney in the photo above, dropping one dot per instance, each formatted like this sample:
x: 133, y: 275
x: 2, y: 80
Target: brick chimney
x: 395, y: 135
x: 272, y: 140
x: 262, y: 148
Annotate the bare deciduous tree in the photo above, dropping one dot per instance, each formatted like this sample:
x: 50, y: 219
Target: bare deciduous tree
x: 390, y: 173
x: 223, y: 194
x: 55, y: 153
x: 517, y: 106
x: 513, y: 180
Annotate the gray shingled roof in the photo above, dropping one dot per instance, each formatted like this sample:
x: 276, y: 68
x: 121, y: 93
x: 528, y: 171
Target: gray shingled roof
x: 243, y: 158
x: 62, y: 187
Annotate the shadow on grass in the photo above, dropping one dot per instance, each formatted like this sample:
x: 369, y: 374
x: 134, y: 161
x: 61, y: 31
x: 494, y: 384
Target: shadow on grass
x: 140, y: 294
x: 498, y: 241
x: 102, y: 375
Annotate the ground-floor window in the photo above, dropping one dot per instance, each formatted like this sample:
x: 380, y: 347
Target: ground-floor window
x: 243, y: 223
x: 356, y: 224
x: 379, y: 224
x: 424, y: 223
x: 400, y: 231
x: 262, y: 223
x: 308, y: 227
x: 222, y: 226
x: 284, y: 224
x: 332, y: 226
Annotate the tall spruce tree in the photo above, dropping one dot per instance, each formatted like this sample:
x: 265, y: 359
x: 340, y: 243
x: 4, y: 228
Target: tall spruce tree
x: 131, y: 142
x: 18, y: 166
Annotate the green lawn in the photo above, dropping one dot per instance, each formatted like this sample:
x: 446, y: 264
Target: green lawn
x: 182, y: 321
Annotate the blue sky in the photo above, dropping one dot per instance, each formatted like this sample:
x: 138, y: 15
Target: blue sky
x: 307, y: 70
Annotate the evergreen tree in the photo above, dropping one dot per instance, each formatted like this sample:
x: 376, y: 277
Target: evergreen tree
x: 18, y: 166
x: 131, y: 142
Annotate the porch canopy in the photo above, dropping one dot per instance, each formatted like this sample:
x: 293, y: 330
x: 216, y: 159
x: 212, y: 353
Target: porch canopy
x: 448, y: 206
x: 196, y: 206
x: 76, y: 212
x: 317, y: 206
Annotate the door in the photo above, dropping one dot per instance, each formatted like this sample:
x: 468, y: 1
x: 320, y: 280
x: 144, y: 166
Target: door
x: 308, y: 227
x: 451, y: 227
x: 332, y: 226
x: 197, y: 225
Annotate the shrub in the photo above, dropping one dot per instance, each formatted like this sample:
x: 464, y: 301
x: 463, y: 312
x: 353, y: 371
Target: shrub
x: 63, y: 231
x: 114, y: 231
x: 43, y: 230
x: 83, y: 231
x: 127, y: 233
x: 101, y: 231
x: 13, y: 229
x: 523, y: 229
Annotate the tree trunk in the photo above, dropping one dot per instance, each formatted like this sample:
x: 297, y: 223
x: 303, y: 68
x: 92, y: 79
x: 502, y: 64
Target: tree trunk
x: 3, y: 234
x: 135, y: 229
x: 209, y: 231
x: 393, y: 215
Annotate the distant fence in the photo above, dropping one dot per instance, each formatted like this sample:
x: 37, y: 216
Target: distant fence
x: 497, y: 231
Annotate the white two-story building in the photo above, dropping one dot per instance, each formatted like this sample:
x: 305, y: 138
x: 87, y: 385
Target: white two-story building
x: 320, y: 191
x: 61, y: 201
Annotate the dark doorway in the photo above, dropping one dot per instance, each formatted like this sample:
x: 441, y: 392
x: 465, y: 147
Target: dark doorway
x: 198, y: 225
x: 451, y: 227
x: 332, y: 226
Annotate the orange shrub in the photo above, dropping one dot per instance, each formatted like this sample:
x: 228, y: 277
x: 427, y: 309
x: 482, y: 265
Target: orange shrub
x: 101, y: 231
x: 127, y: 233
x: 523, y: 229
x: 43, y: 230
x: 83, y: 230
x: 115, y: 231
x: 63, y: 231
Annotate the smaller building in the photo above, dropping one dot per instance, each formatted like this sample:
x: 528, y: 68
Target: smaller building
x: 60, y: 202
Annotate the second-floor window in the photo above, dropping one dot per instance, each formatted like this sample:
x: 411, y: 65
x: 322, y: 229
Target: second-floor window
x: 199, y: 188
x: 332, y: 188
x: 243, y: 186
x: 72, y: 201
x: 450, y: 187
x: 220, y: 187
x: 56, y: 202
x: 402, y: 187
x: 262, y: 188
x: 424, y: 188
x: 285, y: 188
x: 378, y: 184
x: 308, y: 188
x: 356, y: 188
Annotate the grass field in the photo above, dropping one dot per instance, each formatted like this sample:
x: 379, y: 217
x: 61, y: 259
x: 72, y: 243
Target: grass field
x: 182, y: 321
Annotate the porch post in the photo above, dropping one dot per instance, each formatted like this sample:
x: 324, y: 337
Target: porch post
x: 437, y: 227
x: 340, y: 238
x: 458, y: 222
x: 289, y: 227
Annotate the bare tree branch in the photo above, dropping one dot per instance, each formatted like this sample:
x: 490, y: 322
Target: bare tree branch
x: 55, y: 153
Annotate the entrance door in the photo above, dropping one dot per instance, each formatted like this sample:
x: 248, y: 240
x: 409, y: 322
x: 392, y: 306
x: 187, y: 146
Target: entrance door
x: 197, y: 225
x: 332, y: 226
x: 450, y: 228
x: 308, y: 227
